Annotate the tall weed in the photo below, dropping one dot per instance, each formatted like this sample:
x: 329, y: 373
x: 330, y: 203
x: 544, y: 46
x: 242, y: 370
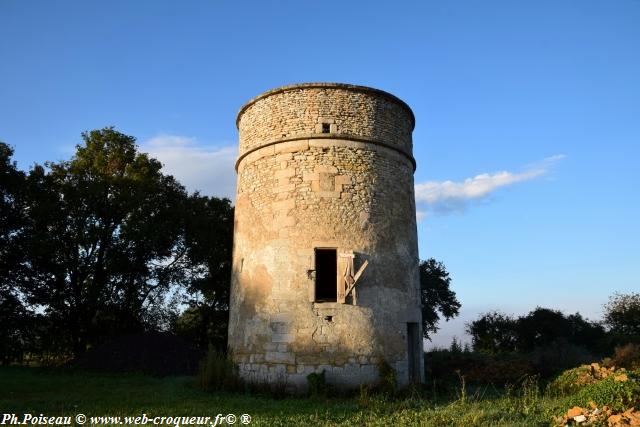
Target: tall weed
x: 218, y: 372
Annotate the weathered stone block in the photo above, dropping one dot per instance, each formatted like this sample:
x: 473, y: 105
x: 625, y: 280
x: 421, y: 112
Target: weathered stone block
x: 287, y: 317
x: 326, y: 169
x: 286, y: 173
x: 284, y: 188
x: 291, y: 146
x: 283, y: 221
x: 284, y: 205
x: 343, y: 180
x: 310, y: 176
x: 269, y: 346
x: 284, y: 157
x: 279, y: 357
x: 328, y: 194
x: 282, y: 338
x: 310, y: 358
x: 279, y: 327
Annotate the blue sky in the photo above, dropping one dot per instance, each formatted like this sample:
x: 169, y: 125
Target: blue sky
x: 527, y: 130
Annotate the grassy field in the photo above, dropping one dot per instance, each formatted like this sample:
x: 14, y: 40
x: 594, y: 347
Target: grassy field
x: 52, y: 393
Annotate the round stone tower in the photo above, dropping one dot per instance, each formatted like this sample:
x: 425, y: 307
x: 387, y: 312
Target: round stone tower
x: 325, y: 258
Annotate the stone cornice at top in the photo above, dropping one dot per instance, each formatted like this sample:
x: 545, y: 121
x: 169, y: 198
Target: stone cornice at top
x: 345, y: 86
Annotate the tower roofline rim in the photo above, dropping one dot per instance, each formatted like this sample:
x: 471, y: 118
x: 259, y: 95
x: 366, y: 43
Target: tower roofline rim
x: 314, y: 85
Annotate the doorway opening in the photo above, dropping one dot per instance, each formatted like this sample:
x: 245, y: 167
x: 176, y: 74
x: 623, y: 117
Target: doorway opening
x: 413, y: 344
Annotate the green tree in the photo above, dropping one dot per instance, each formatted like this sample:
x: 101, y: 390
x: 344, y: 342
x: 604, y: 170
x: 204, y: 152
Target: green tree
x: 14, y: 317
x: 588, y: 334
x: 12, y: 221
x: 209, y: 237
x: 105, y: 240
x: 622, y: 314
x: 455, y: 346
x: 435, y: 295
x: 541, y: 328
x: 493, y: 333
x: 12, y: 185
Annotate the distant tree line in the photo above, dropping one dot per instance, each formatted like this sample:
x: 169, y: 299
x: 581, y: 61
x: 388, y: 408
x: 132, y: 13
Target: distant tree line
x: 106, y: 244
x: 544, y: 342
x: 495, y: 332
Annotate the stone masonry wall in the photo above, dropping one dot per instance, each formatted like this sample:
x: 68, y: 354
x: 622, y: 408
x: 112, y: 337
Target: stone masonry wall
x: 298, y: 195
x: 348, y: 110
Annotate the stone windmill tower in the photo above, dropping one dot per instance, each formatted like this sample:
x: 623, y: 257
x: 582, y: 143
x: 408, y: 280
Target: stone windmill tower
x: 325, y: 259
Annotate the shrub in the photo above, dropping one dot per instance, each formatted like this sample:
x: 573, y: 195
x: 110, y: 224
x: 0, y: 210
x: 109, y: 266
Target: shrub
x: 151, y: 353
x: 572, y: 380
x: 622, y: 313
x: 387, y: 375
x: 442, y: 367
x: 559, y: 356
x: 499, y: 371
x: 614, y: 387
x: 275, y: 386
x: 218, y: 372
x: 317, y: 384
x: 364, y: 397
x: 627, y: 356
x: 524, y: 395
x: 614, y: 393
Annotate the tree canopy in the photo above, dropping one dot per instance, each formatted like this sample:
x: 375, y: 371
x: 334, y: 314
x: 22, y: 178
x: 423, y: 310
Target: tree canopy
x: 109, y: 243
x: 495, y: 332
x: 622, y: 314
x: 435, y: 295
x: 14, y: 319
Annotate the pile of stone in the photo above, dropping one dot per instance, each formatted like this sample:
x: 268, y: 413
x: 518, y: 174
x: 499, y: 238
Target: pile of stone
x: 589, y: 374
x: 598, y: 416
x: 599, y: 372
x: 594, y: 415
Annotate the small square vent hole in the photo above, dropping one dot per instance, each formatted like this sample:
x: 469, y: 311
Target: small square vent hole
x: 326, y: 128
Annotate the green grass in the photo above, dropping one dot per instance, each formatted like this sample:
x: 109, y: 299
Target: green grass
x: 54, y: 392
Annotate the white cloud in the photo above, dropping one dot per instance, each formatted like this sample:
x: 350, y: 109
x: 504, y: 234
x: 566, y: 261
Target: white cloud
x: 210, y: 170
x: 205, y: 168
x: 450, y: 196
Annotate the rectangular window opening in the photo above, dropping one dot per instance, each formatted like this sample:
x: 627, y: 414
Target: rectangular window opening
x: 326, y: 275
x: 326, y: 128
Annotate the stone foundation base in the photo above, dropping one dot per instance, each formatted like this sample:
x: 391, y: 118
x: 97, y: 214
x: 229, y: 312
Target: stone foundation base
x: 293, y: 378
